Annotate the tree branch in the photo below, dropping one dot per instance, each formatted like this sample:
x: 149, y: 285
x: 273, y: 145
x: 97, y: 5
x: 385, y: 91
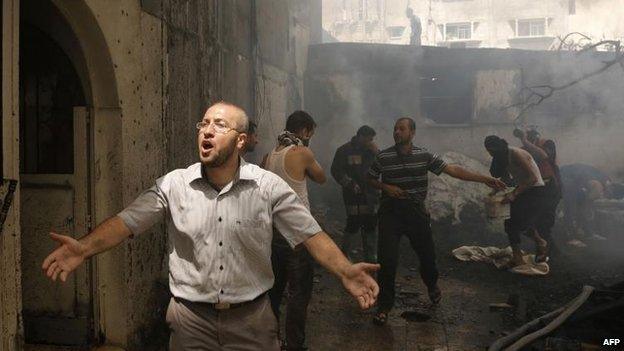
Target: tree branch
x: 538, y: 93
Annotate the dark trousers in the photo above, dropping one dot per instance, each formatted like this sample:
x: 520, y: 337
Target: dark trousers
x: 366, y: 224
x: 546, y: 221
x: 395, y: 220
x: 525, y: 212
x: 292, y: 268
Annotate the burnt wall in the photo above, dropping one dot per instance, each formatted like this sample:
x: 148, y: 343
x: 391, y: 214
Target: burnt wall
x: 459, y: 96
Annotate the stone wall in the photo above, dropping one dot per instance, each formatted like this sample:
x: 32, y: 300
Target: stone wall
x: 151, y: 68
x: 251, y: 53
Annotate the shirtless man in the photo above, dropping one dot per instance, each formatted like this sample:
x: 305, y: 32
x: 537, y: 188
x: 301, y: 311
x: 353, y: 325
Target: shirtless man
x: 544, y: 152
x: 293, y: 161
x: 527, y: 201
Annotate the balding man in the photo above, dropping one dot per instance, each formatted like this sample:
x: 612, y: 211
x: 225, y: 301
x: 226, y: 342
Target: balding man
x: 220, y: 213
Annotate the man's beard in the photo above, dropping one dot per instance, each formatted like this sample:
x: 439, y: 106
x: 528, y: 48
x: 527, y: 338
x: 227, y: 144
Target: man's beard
x: 400, y: 142
x: 223, y: 156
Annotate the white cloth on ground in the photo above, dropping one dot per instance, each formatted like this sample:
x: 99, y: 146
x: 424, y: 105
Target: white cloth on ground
x: 500, y: 257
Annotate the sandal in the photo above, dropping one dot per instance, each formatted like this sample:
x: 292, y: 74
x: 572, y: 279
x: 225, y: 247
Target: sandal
x: 509, y: 265
x: 381, y: 318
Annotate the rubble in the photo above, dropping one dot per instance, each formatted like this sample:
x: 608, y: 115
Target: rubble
x: 448, y: 196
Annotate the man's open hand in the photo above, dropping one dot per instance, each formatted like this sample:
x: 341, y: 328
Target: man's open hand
x: 360, y: 284
x: 62, y: 261
x: 495, y: 184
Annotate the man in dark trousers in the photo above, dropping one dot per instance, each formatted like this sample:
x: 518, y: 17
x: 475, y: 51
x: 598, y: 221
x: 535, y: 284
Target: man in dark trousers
x: 349, y: 168
x: 544, y: 152
x: 294, y: 162
x: 403, y: 170
x: 416, y: 27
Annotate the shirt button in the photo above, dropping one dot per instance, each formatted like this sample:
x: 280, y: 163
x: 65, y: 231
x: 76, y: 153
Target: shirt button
x: 222, y: 291
x: 219, y: 219
x: 220, y: 267
x: 220, y: 243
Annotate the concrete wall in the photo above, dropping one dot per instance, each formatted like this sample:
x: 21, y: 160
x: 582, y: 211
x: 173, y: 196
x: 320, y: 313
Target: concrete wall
x: 10, y: 255
x: 609, y: 14
x: 348, y: 85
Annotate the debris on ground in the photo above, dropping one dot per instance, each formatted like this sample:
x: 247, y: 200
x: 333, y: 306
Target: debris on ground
x: 448, y: 196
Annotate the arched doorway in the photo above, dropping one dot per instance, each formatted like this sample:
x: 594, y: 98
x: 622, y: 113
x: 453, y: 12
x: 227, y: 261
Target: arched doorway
x: 69, y: 118
x: 54, y: 149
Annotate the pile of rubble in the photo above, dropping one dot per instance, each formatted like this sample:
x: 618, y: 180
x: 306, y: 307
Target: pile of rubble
x: 449, y: 197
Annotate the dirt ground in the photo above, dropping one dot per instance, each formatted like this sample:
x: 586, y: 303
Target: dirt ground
x: 463, y: 320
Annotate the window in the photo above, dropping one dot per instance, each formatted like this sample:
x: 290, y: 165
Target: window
x: 395, y: 32
x: 531, y: 28
x: 447, y: 94
x: 458, y: 31
x: 361, y: 9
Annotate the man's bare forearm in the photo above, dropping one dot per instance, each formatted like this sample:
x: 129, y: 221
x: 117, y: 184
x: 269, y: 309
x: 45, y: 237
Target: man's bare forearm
x: 105, y: 236
x: 327, y: 254
x: 464, y: 174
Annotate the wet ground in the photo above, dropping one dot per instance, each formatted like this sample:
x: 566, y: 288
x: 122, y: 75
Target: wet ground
x: 464, y: 320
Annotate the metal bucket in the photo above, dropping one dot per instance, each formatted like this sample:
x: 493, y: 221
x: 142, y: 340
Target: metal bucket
x: 494, y: 208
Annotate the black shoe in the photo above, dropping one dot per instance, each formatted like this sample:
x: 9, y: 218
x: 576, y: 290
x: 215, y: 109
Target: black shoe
x: 435, y: 295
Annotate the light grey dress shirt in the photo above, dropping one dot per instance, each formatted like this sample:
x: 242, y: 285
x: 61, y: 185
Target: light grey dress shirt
x: 219, y: 243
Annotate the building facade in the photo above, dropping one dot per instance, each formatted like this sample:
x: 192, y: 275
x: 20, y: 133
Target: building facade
x: 99, y: 99
x: 520, y: 24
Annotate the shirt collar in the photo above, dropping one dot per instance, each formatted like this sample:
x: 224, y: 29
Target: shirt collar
x: 244, y: 172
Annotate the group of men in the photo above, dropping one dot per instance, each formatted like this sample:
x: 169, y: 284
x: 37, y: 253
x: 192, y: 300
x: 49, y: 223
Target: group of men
x: 241, y: 234
x: 221, y: 214
x: 400, y: 172
x: 582, y: 186
x: 533, y: 170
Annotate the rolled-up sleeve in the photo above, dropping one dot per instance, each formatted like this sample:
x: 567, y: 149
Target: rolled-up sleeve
x: 436, y: 164
x: 290, y: 216
x: 145, y: 211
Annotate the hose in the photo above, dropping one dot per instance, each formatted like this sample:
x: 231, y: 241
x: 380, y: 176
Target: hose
x: 561, y: 314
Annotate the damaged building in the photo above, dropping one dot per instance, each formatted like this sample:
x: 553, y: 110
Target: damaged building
x: 100, y: 98
x: 458, y: 96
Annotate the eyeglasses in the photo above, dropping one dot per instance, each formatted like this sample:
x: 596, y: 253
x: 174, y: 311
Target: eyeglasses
x: 218, y: 127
